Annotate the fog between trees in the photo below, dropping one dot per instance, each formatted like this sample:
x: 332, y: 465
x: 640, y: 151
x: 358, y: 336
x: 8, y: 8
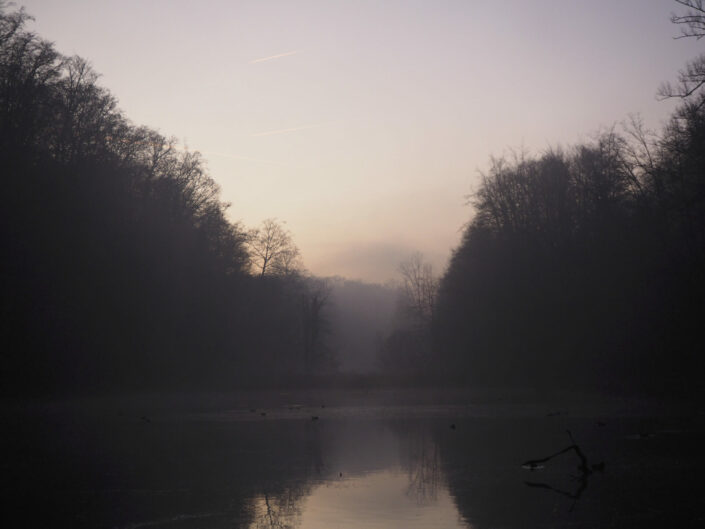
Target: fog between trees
x: 121, y: 271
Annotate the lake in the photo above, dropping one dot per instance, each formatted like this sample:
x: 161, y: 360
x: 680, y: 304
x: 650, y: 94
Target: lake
x: 362, y: 459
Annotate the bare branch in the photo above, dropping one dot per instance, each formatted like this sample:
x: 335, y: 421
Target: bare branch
x: 693, y: 19
x: 690, y: 80
x: 419, y: 286
x: 272, y: 249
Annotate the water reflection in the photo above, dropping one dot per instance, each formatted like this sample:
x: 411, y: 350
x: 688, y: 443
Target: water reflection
x: 379, y: 500
x: 424, y: 469
x: 575, y: 496
x: 277, y: 511
x: 361, y: 466
x: 362, y: 473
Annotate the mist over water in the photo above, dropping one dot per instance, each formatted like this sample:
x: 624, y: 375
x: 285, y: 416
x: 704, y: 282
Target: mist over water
x: 378, y: 459
x: 165, y: 365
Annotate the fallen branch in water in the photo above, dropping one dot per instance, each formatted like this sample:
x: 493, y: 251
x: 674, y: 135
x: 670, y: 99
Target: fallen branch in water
x: 584, y: 468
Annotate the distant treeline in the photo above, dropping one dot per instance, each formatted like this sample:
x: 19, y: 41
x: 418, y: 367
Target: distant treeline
x: 119, y: 267
x: 584, y: 266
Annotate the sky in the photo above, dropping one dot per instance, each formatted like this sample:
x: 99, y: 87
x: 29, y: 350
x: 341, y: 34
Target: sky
x: 364, y: 125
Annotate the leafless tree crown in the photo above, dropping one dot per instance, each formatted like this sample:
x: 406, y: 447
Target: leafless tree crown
x: 692, y: 78
x: 419, y: 286
x: 272, y: 249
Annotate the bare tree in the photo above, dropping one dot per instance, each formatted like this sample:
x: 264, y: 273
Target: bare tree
x: 692, y: 77
x: 408, y: 348
x: 287, y: 262
x: 272, y: 249
x: 419, y: 286
x: 315, y: 301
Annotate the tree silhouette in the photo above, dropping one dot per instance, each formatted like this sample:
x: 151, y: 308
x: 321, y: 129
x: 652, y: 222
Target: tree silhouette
x: 692, y: 77
x: 273, y: 250
x: 419, y: 287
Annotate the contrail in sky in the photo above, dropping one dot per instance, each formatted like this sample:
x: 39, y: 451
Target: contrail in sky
x: 275, y: 56
x: 238, y: 157
x: 282, y: 131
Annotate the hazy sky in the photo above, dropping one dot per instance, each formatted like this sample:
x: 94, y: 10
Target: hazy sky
x: 363, y: 124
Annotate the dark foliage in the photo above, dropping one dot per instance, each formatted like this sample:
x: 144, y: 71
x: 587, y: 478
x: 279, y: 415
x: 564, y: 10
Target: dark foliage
x: 120, y: 269
x: 584, y: 267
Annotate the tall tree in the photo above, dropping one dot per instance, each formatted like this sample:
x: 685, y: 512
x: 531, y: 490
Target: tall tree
x: 315, y: 300
x: 273, y: 250
x: 419, y: 287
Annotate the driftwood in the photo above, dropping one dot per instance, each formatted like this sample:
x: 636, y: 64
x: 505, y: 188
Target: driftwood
x: 584, y: 467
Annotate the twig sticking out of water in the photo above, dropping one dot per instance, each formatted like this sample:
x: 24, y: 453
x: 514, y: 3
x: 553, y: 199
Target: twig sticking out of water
x: 584, y: 468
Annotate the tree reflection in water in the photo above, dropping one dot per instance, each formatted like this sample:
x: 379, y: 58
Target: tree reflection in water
x: 575, y: 496
x: 393, y: 475
x: 424, y: 469
x: 279, y: 510
x: 279, y: 503
x: 355, y: 467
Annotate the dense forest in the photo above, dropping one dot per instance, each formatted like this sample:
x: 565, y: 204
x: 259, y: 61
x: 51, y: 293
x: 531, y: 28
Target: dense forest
x: 580, y: 266
x: 584, y: 265
x: 121, y: 271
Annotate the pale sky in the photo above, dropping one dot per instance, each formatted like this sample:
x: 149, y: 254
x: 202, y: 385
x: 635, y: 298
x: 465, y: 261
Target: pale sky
x: 363, y: 124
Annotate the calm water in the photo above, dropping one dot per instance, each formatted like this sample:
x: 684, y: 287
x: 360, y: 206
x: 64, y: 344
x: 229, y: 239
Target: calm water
x: 369, y: 460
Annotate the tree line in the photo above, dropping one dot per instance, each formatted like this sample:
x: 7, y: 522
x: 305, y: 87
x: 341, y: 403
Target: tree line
x: 584, y: 265
x: 580, y: 266
x: 120, y: 268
